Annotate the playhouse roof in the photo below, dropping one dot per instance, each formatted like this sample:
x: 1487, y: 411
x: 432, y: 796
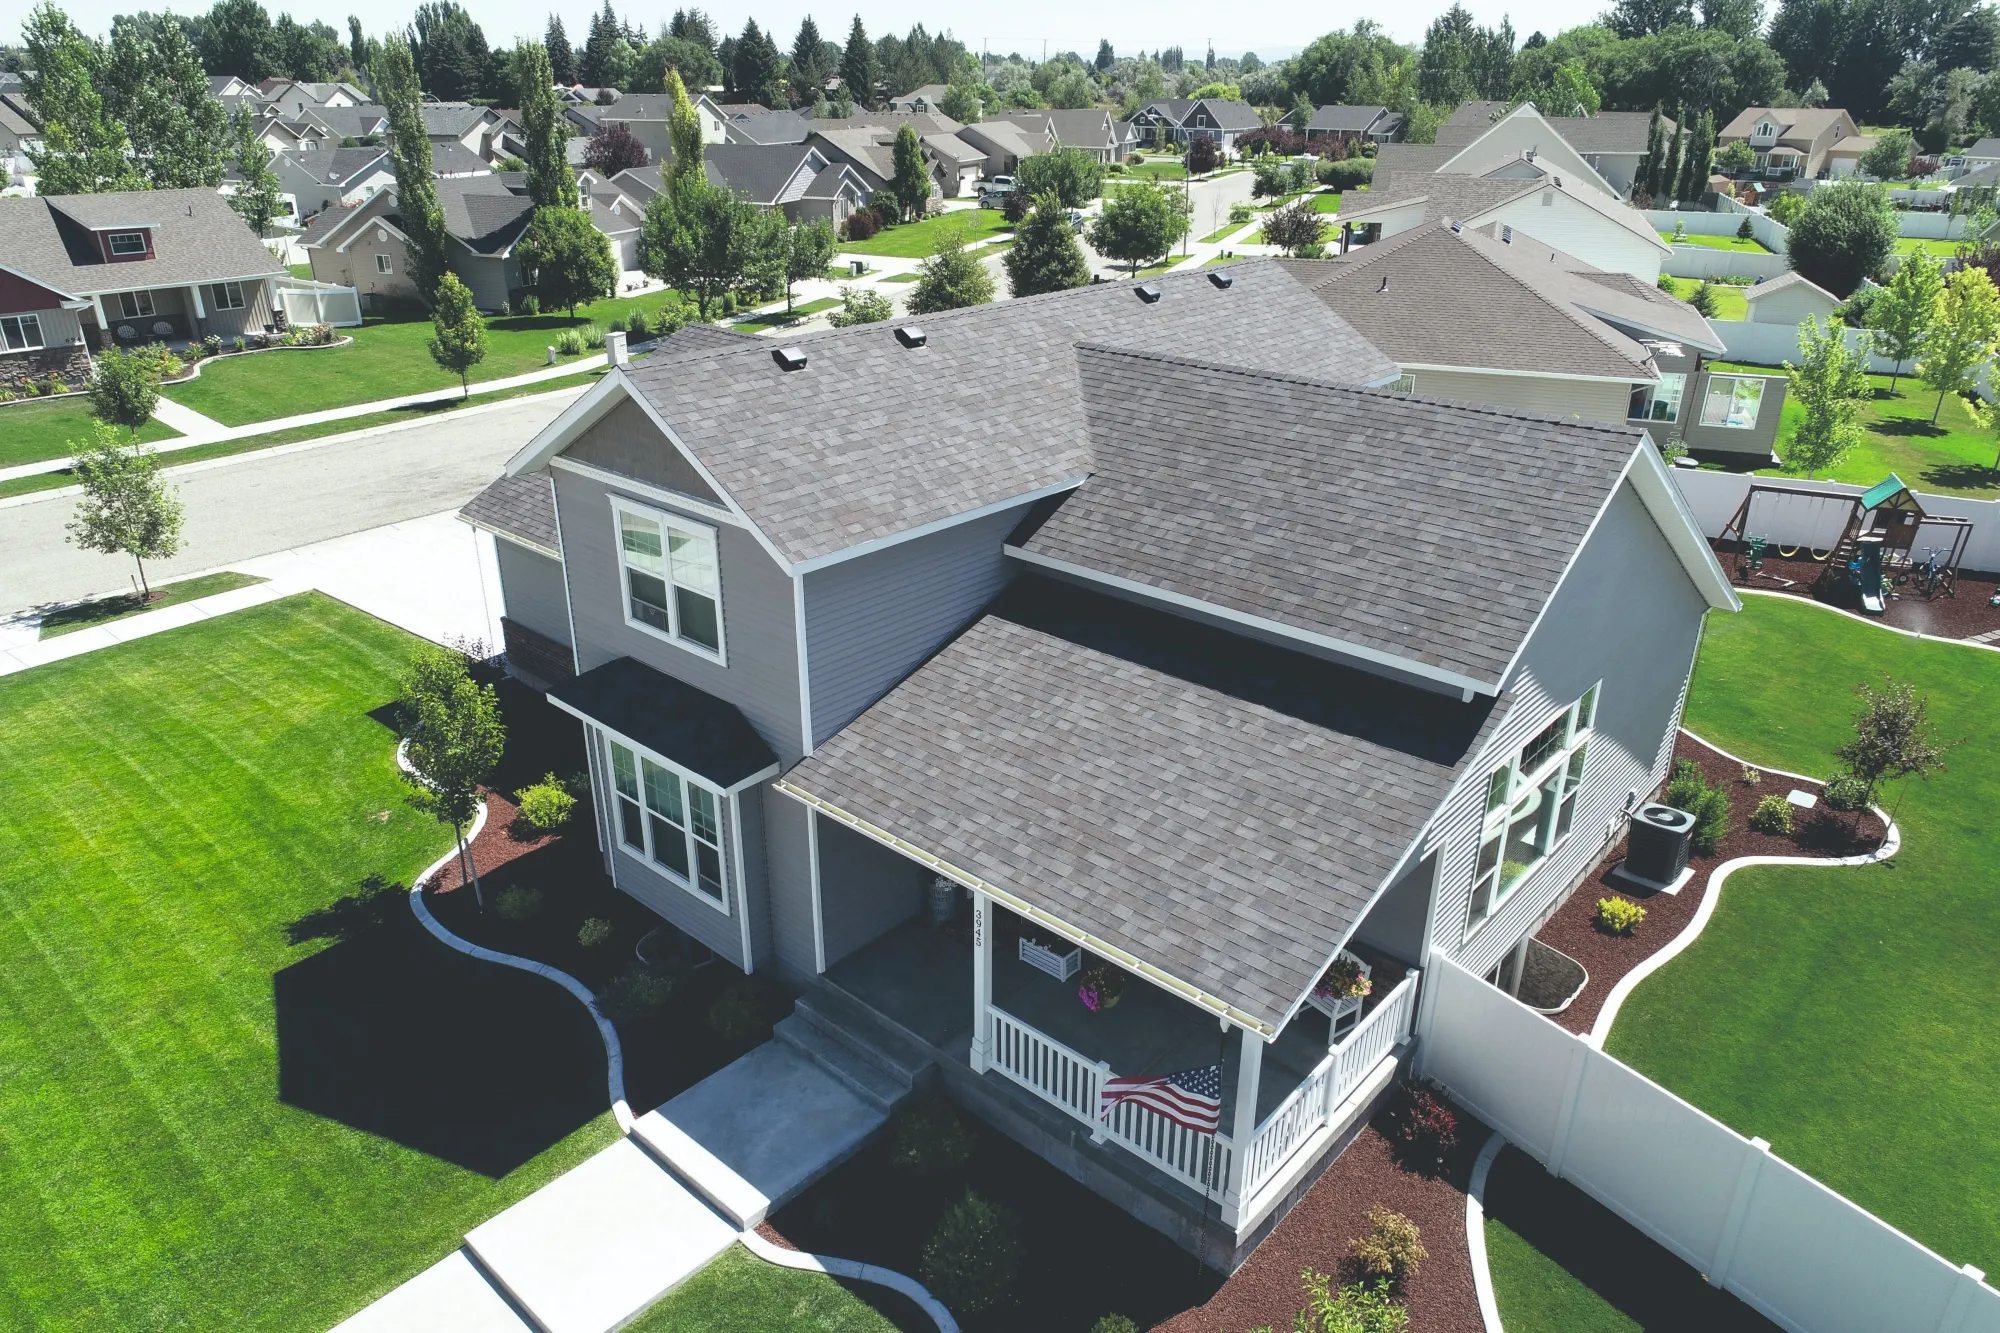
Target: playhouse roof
x: 1884, y: 491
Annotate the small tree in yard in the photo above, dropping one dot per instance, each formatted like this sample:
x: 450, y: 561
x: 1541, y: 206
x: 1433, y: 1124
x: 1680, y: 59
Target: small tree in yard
x: 1295, y: 227
x: 571, y: 258
x: 950, y: 279
x: 1829, y: 384
x: 973, y: 1259
x: 1901, y: 316
x: 702, y: 239
x: 455, y: 739
x: 859, y: 305
x: 1705, y: 301
x: 1139, y: 226
x: 125, y: 509
x: 1892, y: 739
x: 125, y: 388
x: 1962, y: 336
x: 257, y: 199
x: 1045, y: 256
x: 809, y: 249
x: 614, y: 149
x: 460, y: 341
x: 1889, y: 159
x: 912, y: 182
x: 1202, y: 156
x: 1072, y: 175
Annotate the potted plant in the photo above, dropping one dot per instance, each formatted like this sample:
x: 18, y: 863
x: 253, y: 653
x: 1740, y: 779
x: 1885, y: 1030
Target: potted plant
x: 1344, y: 980
x: 1102, y: 987
x: 1051, y: 956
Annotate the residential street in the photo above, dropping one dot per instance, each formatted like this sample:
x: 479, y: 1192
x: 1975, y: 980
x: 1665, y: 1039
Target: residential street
x: 276, y: 500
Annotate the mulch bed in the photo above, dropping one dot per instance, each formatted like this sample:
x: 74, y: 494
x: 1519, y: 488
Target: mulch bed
x: 1957, y: 617
x: 1266, y: 1290
x: 1609, y: 957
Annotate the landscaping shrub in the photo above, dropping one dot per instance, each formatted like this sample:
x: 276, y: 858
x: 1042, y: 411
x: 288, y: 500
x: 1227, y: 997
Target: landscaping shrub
x: 1114, y: 1323
x: 1711, y: 821
x: 519, y: 902
x: 617, y: 326
x: 1421, y: 1125
x: 212, y: 345
x: 639, y: 991
x: 1745, y: 231
x: 546, y: 805
x: 239, y: 344
x: 1846, y: 793
x: 860, y: 225
x: 1751, y: 775
x: 1618, y: 915
x: 1684, y: 786
x: 50, y: 387
x: 593, y: 337
x: 748, y: 1008
x: 530, y: 304
x: 1240, y: 212
x: 930, y: 1138
x: 1666, y: 284
x: 569, y: 343
x: 1704, y: 300
x: 1115, y: 169
x: 1392, y: 1248
x: 1348, y: 174
x: 1356, y: 1308
x: 593, y: 932
x: 1773, y: 815
x: 859, y: 305
x: 638, y: 328
x: 973, y: 1258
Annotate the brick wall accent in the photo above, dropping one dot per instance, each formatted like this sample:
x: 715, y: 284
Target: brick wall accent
x: 21, y: 371
x: 530, y: 652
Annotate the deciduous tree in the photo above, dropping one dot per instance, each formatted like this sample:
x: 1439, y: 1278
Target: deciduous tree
x: 1889, y: 159
x: 154, y: 83
x: 1072, y: 175
x: 951, y: 278
x: 1045, y: 256
x: 1844, y: 233
x: 1202, y: 156
x: 1295, y: 227
x: 459, y: 341
x: 571, y: 258
x: 860, y: 305
x: 1828, y: 383
x: 614, y: 149
x: 912, y: 182
x: 257, y: 198
x: 1892, y: 738
x: 125, y: 509
x: 416, y: 189
x: 705, y: 241
x: 961, y: 103
x: 456, y: 737
x: 808, y: 250
x: 125, y: 388
x: 1903, y: 313
x: 84, y: 147
x: 1962, y: 336
x: 551, y: 183
x: 1139, y: 226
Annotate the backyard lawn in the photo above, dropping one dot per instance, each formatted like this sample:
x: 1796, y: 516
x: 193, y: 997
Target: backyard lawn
x: 390, y: 357
x: 918, y: 240
x: 242, y: 1088
x: 1729, y: 302
x: 1953, y: 457
x: 1847, y: 1014
x: 1751, y: 245
x: 1909, y: 245
x: 30, y: 432
x: 740, y: 1293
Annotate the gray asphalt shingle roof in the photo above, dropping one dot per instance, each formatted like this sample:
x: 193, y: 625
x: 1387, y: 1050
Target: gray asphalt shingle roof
x: 759, y: 172
x: 1345, y: 119
x: 522, y: 509
x: 482, y: 212
x: 1271, y: 494
x: 197, y: 237
x: 1219, y: 808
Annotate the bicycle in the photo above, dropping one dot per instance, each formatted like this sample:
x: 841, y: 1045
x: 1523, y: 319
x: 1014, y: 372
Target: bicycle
x: 1932, y: 579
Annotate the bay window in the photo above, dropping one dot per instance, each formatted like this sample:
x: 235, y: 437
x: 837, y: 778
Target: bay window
x: 672, y: 585
x: 669, y: 819
x: 1530, y: 806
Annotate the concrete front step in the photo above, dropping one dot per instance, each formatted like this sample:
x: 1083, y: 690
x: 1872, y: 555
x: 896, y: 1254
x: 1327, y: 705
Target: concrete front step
x: 862, y: 1076
x: 867, y: 1037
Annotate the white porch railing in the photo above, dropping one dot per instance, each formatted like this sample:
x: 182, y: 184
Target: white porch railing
x: 1313, y: 1102
x: 1073, y: 1082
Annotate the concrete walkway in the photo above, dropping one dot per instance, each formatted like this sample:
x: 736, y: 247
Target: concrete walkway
x: 190, y: 423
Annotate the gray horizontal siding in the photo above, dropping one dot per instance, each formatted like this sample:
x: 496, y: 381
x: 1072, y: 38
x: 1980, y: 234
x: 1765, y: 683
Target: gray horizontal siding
x: 1626, y: 614
x: 872, y: 620
x: 864, y: 889
x: 788, y: 870
x: 531, y: 590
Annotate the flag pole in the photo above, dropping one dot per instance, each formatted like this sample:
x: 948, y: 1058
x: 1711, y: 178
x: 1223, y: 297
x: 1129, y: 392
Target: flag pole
x: 1214, y: 1152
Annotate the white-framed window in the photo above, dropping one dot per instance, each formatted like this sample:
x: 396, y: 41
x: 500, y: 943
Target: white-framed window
x: 1732, y: 401
x: 670, y: 819
x: 21, y: 333
x: 672, y: 584
x: 226, y: 295
x: 136, y: 305
x: 1405, y: 383
x: 128, y: 242
x: 1658, y: 402
x: 1530, y: 806
x: 1765, y: 129
x: 383, y: 264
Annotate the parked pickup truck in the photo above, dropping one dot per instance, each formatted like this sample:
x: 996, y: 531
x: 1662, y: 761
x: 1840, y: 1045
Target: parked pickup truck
x: 995, y: 192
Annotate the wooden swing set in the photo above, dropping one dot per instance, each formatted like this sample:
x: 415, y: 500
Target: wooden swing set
x: 1876, y: 544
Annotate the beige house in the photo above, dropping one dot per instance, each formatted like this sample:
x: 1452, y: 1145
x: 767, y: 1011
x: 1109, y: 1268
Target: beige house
x: 1790, y: 142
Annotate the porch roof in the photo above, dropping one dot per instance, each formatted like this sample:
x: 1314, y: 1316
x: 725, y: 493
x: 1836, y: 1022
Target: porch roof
x: 673, y: 719
x: 1220, y: 810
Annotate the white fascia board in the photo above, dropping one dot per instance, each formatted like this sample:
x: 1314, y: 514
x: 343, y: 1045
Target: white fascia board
x: 1671, y: 335
x: 1663, y: 500
x: 690, y: 505
x: 500, y: 535
x: 937, y: 525
x: 37, y: 282
x: 1639, y: 373
x: 1464, y: 685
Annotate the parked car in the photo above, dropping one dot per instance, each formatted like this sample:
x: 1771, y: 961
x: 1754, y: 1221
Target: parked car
x: 994, y: 193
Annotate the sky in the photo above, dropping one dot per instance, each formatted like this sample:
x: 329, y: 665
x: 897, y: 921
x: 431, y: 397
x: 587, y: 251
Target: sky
x: 1274, y: 29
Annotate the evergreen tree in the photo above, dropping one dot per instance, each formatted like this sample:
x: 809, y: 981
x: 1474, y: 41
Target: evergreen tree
x: 683, y: 135
x: 755, y: 74
x: 410, y: 153
x: 951, y: 278
x: 1045, y: 256
x: 808, y: 62
x: 550, y: 181
x: 1655, y: 144
x: 1105, y: 57
x: 562, y: 60
x: 1695, y: 165
x: 857, y: 66
x: 459, y: 343
x: 692, y: 25
x: 357, y: 45
x: 596, y: 65
x: 83, y: 145
x: 1670, y: 165
x: 256, y: 200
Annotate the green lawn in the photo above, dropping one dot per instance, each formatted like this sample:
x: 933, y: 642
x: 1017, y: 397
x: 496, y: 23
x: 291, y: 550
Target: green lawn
x: 1751, y: 245
x: 902, y: 277
x: 740, y: 1293
x: 777, y: 317
x: 1729, y: 302
x: 1909, y: 245
x: 1953, y: 457
x: 83, y: 615
x: 918, y: 240
x: 1847, y: 1014
x: 304, y: 271
x: 231, y: 1099
x: 1159, y: 169
x: 30, y: 432
x: 389, y: 358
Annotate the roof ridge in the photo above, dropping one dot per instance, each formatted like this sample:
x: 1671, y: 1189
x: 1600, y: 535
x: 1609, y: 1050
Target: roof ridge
x: 1590, y: 324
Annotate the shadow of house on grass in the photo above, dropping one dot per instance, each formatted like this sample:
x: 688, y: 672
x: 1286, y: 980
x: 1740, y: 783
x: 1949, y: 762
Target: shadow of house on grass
x: 390, y: 1032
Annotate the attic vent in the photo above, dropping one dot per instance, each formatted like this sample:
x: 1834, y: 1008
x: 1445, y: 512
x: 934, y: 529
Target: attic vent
x: 790, y: 358
x: 1148, y: 292
x: 910, y: 336
x: 1559, y: 182
x: 1457, y: 227
x: 1506, y: 236
x: 1222, y: 280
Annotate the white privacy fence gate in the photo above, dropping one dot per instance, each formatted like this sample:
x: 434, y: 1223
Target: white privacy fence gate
x: 1807, y: 1258
x: 307, y: 303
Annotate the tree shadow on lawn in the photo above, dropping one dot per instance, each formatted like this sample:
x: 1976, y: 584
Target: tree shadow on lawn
x: 1917, y: 427
x: 1605, y: 1253
x: 1963, y: 476
x: 393, y: 1033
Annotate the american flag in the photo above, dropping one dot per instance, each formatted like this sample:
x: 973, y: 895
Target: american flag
x: 1191, y: 1098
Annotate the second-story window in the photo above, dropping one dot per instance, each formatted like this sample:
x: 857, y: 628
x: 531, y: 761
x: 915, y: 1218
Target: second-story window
x: 672, y: 583
x: 1530, y: 805
x: 128, y: 242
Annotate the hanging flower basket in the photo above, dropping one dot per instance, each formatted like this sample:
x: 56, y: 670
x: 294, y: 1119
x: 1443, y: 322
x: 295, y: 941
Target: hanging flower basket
x: 1343, y: 981
x: 1103, y: 986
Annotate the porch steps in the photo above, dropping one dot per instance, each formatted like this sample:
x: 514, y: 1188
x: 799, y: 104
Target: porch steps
x: 848, y: 1041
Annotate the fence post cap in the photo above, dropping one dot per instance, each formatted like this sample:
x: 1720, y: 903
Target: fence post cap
x: 1761, y: 1145
x: 1976, y: 1274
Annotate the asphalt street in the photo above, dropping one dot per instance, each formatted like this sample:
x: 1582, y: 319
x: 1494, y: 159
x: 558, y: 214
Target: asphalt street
x: 259, y: 503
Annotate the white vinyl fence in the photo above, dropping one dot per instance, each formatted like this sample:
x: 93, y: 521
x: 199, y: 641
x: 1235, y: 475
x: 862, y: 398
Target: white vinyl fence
x: 307, y: 303
x: 1811, y: 521
x: 1750, y: 1222
x: 1705, y: 261
x: 1775, y: 344
x: 1769, y: 233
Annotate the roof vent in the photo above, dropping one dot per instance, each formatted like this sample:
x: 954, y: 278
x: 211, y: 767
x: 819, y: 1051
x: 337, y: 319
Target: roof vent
x: 1385, y: 284
x: 1148, y: 292
x: 790, y: 358
x: 1559, y: 182
x: 1222, y: 280
x: 1506, y: 236
x: 1457, y: 227
x: 910, y: 335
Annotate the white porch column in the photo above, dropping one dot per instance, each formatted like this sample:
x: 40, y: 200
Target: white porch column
x: 1244, y: 1128
x: 194, y: 297
x: 819, y: 910
x: 103, y: 322
x: 982, y: 977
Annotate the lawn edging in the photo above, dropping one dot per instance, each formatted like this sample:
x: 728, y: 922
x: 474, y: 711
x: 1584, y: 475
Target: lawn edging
x: 1475, y: 1232
x: 1892, y: 841
x: 854, y: 1271
x: 614, y: 1054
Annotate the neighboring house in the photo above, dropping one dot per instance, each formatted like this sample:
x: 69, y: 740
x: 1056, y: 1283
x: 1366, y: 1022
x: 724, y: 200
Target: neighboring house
x: 1202, y: 697
x: 1342, y: 125
x: 1490, y: 315
x: 1984, y: 153
x: 619, y: 217
x: 338, y: 124
x: 644, y: 115
x: 449, y: 158
x: 1790, y: 299
x: 923, y: 101
x: 866, y: 141
x: 478, y: 130
x: 84, y: 271
x: 1220, y: 122
x: 1789, y: 142
x: 1613, y: 143
x: 224, y: 86
x: 1844, y: 158
x: 1007, y: 141
x: 365, y: 247
x: 1523, y: 144
x: 773, y: 127
x: 291, y: 99
x: 1092, y: 130
x: 1583, y: 222
x: 801, y: 179
x: 1158, y: 124
x: 342, y: 176
x: 19, y: 136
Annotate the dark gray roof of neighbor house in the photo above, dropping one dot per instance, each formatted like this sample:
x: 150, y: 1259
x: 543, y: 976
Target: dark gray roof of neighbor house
x: 197, y: 237
x: 872, y: 438
x: 454, y: 158
x: 692, y: 727
x: 1345, y: 119
x: 1608, y: 131
x: 860, y: 147
x: 758, y: 172
x: 1232, y: 115
x: 482, y: 212
x: 776, y: 127
x: 340, y: 165
x: 1783, y: 281
x: 1468, y: 122
x: 1088, y: 128
x: 450, y: 119
x: 351, y: 122
x: 738, y: 110
x: 642, y: 183
x: 1397, y: 160
x: 1452, y: 195
x: 827, y: 184
x: 1362, y: 516
x: 1175, y: 109
x: 324, y: 221
x: 1109, y: 764
x: 1018, y: 137
x: 521, y: 509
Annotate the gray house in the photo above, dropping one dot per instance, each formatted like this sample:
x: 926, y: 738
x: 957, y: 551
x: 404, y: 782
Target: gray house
x: 917, y: 670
